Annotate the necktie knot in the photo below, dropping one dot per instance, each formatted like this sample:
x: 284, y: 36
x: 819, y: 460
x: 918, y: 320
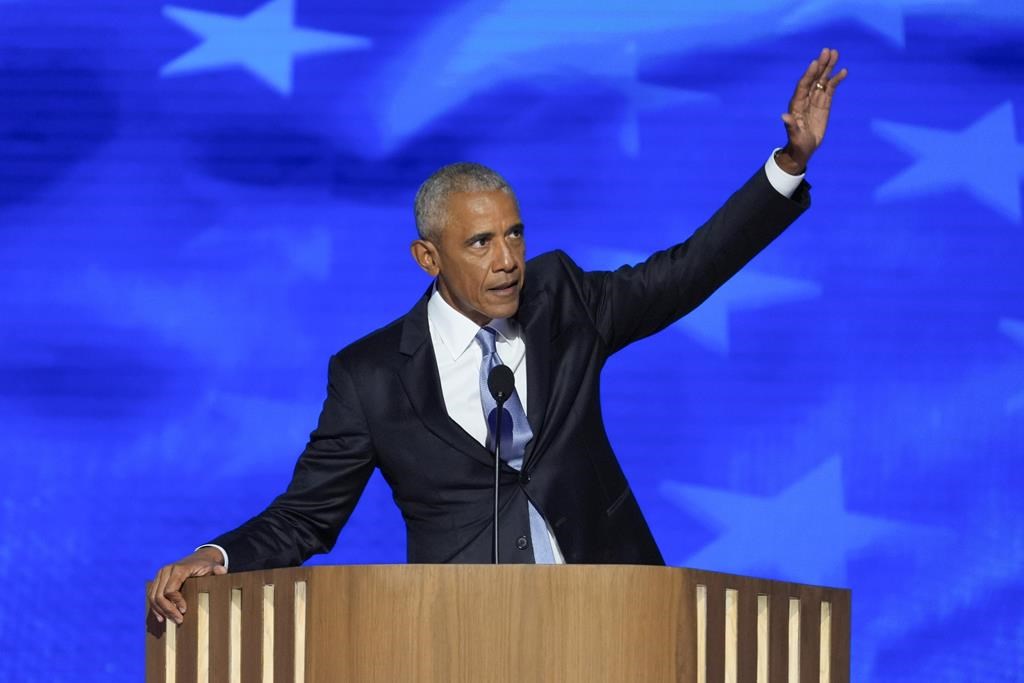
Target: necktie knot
x: 487, y: 338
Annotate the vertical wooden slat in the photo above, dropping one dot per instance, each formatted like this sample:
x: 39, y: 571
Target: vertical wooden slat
x: 284, y: 629
x: 732, y: 635
x: 686, y: 634
x: 841, y: 616
x: 747, y: 670
x: 778, y: 634
x: 810, y: 634
x: 763, y: 619
x: 188, y: 635
x: 155, y: 644
x: 203, y: 638
x: 793, y: 637
x: 716, y: 629
x: 267, y: 635
x: 825, y: 646
x: 220, y: 629
x: 171, y: 653
x: 235, y: 652
x: 300, y: 631
x: 252, y: 629
x: 701, y: 597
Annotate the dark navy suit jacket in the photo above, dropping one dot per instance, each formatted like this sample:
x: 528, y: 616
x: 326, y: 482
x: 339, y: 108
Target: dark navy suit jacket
x: 384, y: 409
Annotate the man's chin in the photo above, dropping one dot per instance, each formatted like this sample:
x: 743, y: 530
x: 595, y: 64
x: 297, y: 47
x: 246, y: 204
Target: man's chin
x: 503, y: 309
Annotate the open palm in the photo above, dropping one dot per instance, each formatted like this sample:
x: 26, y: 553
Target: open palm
x: 810, y: 106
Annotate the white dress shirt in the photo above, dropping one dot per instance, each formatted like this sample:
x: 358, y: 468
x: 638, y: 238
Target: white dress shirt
x: 784, y: 183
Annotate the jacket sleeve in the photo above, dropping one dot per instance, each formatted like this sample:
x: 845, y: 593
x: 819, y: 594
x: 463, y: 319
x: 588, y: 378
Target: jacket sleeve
x: 634, y: 302
x: 328, y: 480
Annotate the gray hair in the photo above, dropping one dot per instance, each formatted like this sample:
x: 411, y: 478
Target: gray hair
x: 432, y: 198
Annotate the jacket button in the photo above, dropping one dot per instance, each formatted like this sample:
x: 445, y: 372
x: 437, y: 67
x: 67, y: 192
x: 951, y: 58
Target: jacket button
x: 524, y: 477
x: 522, y: 543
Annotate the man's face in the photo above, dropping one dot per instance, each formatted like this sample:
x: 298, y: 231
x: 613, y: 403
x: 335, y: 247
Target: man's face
x: 480, y: 258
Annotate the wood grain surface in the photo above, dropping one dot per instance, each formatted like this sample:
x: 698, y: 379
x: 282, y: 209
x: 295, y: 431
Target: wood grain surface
x: 473, y: 623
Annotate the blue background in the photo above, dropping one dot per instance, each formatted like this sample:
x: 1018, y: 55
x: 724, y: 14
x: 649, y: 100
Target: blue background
x: 200, y: 202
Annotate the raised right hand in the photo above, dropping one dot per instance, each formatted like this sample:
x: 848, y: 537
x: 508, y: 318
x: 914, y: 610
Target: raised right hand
x: 165, y: 598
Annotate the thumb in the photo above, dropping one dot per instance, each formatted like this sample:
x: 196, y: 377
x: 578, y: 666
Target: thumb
x: 219, y: 570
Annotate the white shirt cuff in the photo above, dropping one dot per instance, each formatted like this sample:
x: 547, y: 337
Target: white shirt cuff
x: 784, y: 183
x: 224, y: 553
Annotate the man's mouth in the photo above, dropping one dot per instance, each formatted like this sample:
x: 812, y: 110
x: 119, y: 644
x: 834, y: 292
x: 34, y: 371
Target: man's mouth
x: 506, y: 287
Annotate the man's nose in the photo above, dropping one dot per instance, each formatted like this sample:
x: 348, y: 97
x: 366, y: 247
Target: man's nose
x: 504, y: 259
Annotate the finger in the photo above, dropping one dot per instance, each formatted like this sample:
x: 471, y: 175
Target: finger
x: 831, y: 57
x: 151, y: 598
x: 168, y: 584
x: 156, y: 587
x: 151, y: 589
x: 165, y: 608
x: 172, y: 591
x: 220, y: 570
x: 815, y: 69
x: 834, y: 82
x: 178, y: 600
x: 168, y: 610
x: 156, y: 594
x: 803, y: 86
x: 820, y: 78
x: 825, y: 59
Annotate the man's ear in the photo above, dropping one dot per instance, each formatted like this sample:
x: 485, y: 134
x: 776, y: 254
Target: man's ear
x: 424, y: 253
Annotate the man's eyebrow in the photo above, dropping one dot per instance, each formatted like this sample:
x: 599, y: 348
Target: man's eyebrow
x: 517, y: 226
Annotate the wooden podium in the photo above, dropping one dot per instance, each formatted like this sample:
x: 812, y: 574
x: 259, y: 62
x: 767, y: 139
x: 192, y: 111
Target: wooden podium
x: 515, y: 623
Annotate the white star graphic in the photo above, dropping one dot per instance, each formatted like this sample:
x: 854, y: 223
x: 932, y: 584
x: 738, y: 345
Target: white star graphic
x: 985, y: 159
x: 265, y: 42
x: 803, y: 532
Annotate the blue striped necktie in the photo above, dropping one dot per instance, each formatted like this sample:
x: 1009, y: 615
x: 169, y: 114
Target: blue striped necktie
x: 515, y: 434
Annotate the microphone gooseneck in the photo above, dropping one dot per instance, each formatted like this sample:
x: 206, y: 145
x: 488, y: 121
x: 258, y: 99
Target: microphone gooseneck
x: 501, y: 383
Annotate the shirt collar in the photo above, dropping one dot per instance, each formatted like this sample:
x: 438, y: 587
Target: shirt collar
x: 456, y: 331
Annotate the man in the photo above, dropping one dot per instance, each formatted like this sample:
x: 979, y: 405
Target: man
x: 411, y: 398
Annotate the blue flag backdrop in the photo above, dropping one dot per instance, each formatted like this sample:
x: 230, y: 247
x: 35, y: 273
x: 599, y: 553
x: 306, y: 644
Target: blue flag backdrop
x: 201, y: 200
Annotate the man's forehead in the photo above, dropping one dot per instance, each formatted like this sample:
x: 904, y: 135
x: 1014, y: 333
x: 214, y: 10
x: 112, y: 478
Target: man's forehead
x: 480, y: 196
x: 486, y: 204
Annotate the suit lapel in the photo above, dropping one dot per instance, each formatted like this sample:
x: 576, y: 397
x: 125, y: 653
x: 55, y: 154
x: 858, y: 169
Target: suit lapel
x: 423, y: 385
x: 535, y: 318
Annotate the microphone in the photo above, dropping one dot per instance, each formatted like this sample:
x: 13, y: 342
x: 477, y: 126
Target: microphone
x: 501, y: 383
